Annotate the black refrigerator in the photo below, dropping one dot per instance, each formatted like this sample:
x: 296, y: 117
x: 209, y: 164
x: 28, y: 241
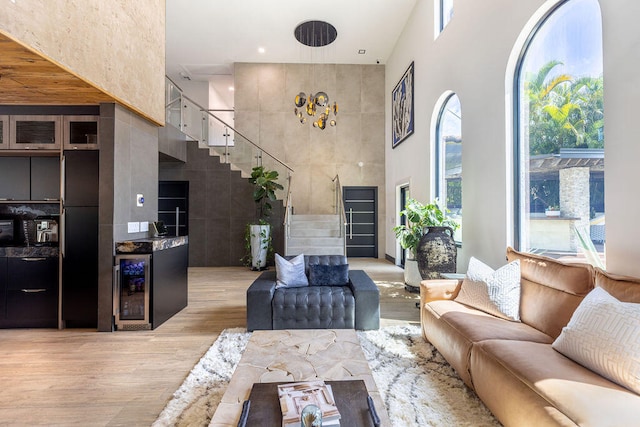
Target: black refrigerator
x: 80, y: 251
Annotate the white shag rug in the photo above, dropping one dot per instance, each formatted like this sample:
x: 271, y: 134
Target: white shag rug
x: 418, y: 386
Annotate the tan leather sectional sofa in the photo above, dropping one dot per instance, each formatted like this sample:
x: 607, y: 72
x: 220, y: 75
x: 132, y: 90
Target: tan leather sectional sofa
x: 512, y: 366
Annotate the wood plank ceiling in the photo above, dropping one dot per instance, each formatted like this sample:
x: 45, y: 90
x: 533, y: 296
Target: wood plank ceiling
x: 26, y: 78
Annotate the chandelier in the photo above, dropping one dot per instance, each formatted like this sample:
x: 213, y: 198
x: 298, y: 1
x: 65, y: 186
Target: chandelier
x: 315, y: 34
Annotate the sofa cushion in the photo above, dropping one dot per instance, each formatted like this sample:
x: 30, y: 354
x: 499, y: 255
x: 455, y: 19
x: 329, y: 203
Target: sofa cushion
x: 496, y: 292
x: 328, y: 275
x: 478, y: 326
x: 314, y: 307
x: 528, y: 383
x: 550, y: 290
x: 604, y: 336
x: 290, y: 273
x: 454, y: 328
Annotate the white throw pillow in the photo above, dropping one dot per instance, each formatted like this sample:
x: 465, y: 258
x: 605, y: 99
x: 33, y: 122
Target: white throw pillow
x: 604, y: 336
x: 494, y: 292
x: 290, y: 273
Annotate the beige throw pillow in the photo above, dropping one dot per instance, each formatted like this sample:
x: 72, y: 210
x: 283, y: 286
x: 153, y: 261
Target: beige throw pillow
x: 604, y: 336
x: 494, y: 292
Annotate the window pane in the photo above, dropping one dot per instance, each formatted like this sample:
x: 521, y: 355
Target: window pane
x: 560, y: 136
x: 446, y: 12
x: 449, y: 161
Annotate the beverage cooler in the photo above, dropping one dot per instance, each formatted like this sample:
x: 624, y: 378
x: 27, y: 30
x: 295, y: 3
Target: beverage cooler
x: 132, y: 292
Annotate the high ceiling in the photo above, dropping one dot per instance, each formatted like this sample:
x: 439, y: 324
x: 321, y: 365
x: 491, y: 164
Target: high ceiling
x: 205, y: 37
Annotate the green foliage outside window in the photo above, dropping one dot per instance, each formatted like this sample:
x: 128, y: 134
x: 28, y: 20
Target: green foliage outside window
x: 564, y: 111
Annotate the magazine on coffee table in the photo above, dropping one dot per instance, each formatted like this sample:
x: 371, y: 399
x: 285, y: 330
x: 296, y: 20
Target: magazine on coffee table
x: 295, y: 396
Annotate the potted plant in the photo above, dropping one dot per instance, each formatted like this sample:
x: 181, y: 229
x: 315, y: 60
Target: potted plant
x: 258, y: 233
x: 553, y: 210
x: 419, y: 218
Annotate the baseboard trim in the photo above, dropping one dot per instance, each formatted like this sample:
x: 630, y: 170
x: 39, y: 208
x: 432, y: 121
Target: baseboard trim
x: 390, y: 258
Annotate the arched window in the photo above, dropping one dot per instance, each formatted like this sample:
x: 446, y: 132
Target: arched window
x: 449, y: 160
x: 559, y: 146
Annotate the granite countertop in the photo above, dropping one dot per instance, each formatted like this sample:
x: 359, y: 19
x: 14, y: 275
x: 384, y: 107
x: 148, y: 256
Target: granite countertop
x: 29, y: 251
x: 150, y: 245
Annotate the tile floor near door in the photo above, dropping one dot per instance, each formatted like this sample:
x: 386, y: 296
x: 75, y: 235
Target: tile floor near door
x: 85, y: 378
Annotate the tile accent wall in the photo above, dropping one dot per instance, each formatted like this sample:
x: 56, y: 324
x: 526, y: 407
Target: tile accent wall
x: 220, y: 205
x: 264, y: 111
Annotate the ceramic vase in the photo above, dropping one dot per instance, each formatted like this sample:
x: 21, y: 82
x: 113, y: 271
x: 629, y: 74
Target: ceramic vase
x: 259, y: 246
x: 436, y: 252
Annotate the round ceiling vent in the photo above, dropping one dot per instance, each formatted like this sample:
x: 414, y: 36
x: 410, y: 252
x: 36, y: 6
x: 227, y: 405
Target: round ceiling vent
x: 315, y: 33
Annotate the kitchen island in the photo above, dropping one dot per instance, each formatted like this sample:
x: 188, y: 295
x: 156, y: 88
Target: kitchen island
x: 161, y: 281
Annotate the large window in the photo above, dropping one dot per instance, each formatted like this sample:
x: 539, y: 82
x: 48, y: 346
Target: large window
x: 449, y: 160
x: 560, y: 135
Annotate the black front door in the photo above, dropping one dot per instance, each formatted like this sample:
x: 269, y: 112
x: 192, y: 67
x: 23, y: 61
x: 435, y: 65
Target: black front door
x: 404, y: 196
x: 361, y: 208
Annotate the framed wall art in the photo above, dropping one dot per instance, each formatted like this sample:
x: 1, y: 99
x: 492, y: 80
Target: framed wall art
x: 402, y: 122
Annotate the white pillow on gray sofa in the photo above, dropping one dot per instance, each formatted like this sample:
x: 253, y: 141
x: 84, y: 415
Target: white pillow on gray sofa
x: 494, y: 292
x: 290, y: 273
x: 604, y: 335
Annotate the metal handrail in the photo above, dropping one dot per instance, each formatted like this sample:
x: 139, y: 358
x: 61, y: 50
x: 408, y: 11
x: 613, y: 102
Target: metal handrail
x: 287, y: 216
x: 340, y: 211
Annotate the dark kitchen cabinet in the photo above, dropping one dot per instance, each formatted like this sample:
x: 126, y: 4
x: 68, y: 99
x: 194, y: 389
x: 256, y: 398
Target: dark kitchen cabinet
x: 32, y: 292
x: 81, y: 178
x: 80, y: 262
x: 45, y: 178
x: 3, y: 289
x: 35, y: 178
x: 15, y: 178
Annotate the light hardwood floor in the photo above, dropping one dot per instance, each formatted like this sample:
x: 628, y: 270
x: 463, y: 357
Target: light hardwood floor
x: 86, y: 378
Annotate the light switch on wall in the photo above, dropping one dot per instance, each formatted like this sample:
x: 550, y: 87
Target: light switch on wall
x: 133, y: 227
x: 144, y: 226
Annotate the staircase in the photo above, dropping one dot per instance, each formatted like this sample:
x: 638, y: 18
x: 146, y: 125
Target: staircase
x: 315, y: 235
x: 307, y: 234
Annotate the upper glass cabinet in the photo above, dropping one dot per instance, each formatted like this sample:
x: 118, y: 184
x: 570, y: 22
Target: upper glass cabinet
x: 4, y: 132
x: 35, y: 132
x: 81, y: 132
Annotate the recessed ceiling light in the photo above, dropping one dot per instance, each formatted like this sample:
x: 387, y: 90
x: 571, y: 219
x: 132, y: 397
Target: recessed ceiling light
x: 231, y: 88
x: 361, y: 51
x: 261, y: 50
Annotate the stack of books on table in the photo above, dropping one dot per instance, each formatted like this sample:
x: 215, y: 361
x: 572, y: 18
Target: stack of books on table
x: 295, y: 396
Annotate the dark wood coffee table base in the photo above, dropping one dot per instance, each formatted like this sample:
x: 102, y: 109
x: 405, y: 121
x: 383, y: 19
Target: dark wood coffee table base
x: 351, y: 400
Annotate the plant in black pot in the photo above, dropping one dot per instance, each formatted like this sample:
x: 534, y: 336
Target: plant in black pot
x: 258, y: 233
x: 422, y: 256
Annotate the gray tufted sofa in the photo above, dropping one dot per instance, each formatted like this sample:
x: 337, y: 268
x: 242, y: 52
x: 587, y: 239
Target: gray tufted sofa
x: 355, y: 305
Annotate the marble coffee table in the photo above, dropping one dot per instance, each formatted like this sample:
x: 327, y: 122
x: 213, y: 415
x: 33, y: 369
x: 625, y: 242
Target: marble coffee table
x: 296, y: 355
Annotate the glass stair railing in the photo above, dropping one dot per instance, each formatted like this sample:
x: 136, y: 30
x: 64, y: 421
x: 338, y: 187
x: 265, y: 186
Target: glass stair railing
x: 212, y: 130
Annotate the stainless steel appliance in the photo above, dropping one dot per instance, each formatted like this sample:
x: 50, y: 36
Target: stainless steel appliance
x: 46, y: 231
x: 6, y: 231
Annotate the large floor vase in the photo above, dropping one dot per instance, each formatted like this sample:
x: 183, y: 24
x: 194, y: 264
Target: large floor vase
x: 259, y: 245
x: 436, y: 252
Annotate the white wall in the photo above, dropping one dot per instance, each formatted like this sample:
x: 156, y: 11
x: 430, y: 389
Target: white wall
x: 475, y: 57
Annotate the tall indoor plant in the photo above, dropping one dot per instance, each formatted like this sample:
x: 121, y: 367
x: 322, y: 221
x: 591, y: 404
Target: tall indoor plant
x: 419, y: 217
x: 258, y: 234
